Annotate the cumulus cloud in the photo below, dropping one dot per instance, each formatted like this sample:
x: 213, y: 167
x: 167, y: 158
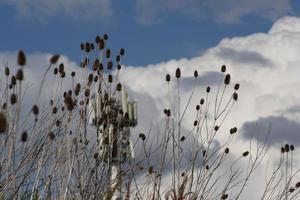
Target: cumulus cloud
x: 99, y: 10
x: 232, y: 11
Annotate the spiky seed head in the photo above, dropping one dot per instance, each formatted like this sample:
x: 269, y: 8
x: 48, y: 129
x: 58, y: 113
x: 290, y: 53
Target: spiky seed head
x: 119, y: 87
x: 282, y: 149
x: 119, y: 67
x: 105, y: 36
x: 87, y: 47
x: 195, y: 123
x: 201, y: 101
x: 224, y: 196
x: 95, y: 78
x: 21, y: 58
x: 61, y: 68
x: 182, y: 138
x: 197, y: 107
x: 63, y: 75
x: 57, y: 123
x: 150, y: 170
x: 81, y: 46
x: 227, y: 150
x: 51, y: 135
x: 246, y: 153
x: 87, y: 92
x: 54, y: 59
x: 216, y: 128
x: 90, y: 78
x: 204, y: 153
x: 236, y: 86
x: 6, y: 71
x: 3, y: 123
x: 55, y: 71
x: 235, y: 96
x: 178, y: 73
x: 234, y: 129
x: 96, y: 155
x: 35, y: 109
x: 69, y: 103
x: 168, y: 112
x: 110, y: 65
x: 142, y: 136
x: 223, y: 68
x: 291, y: 189
x: 207, y: 167
x: 107, y: 53
x: 54, y: 110
x: 101, y: 44
x: 20, y: 75
x: 13, y: 80
x: 110, y: 78
x: 208, y: 89
x: 297, y: 185
x: 92, y: 46
x: 287, y: 148
x: 96, y: 64
x: 195, y: 73
x: 168, y: 77
x: 13, y: 99
x: 73, y: 74
x: 227, y: 79
x: 122, y: 51
x: 24, y: 136
x: 4, y: 106
x: 97, y: 39
x: 292, y: 147
x: 118, y: 58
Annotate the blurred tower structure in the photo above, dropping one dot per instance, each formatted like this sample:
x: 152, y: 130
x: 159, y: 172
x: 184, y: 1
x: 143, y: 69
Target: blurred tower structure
x: 113, y: 115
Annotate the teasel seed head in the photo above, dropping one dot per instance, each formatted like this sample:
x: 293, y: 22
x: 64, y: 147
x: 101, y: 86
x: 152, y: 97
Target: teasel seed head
x: 119, y: 67
x: 63, y: 75
x: 150, y: 170
x: 96, y: 64
x: 287, y: 148
x: 107, y: 53
x: 110, y: 65
x: 227, y: 79
x: 195, y: 123
x: 142, y: 136
x: 54, y: 110
x: 51, y: 135
x: 246, y: 153
x: 291, y: 189
x: 24, y: 136
x: 81, y: 46
x: 21, y: 58
x: 90, y: 78
x: 13, y: 99
x: 216, y: 128
x: 61, y: 68
x: 87, y: 92
x: 35, y: 109
x: 57, y: 123
x: 55, y: 71
x: 208, y: 89
x: 118, y: 58
x: 3, y: 123
x: 119, y: 87
x: 297, y: 185
x: 207, y: 167
x: 195, y: 73
x: 282, y: 149
x: 178, y: 73
x: 122, y: 51
x: 168, y: 112
x: 201, y: 101
x: 13, y: 80
x: 197, y: 107
x: 292, y: 147
x: 69, y: 103
x: 110, y: 78
x: 96, y: 79
x: 236, y: 86
x: 227, y: 150
x: 182, y: 138
x: 101, y: 44
x: 73, y: 74
x: 20, y: 75
x: 223, y: 68
x: 224, y: 196
x: 87, y: 47
x: 235, y: 96
x: 168, y: 77
x: 6, y: 71
x: 54, y: 59
x: 92, y: 46
x: 105, y: 36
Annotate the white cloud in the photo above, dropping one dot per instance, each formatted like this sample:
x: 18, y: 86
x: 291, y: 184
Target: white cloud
x: 231, y: 11
x: 265, y: 64
x: 95, y: 10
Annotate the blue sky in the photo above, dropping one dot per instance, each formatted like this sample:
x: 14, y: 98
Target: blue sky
x: 168, y: 30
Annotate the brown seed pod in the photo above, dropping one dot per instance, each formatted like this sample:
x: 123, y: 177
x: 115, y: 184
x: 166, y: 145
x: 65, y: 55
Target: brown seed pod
x: 236, y: 86
x: 168, y: 112
x: 87, y: 92
x: 35, y: 109
x: 61, y: 68
x: 105, y: 36
x: 195, y: 123
x: 292, y: 147
x: 197, y: 107
x: 87, y: 47
x: 97, y: 40
x: 201, y: 101
x: 297, y: 184
x: 235, y: 96
x: 287, y: 148
x: 101, y: 44
x: 227, y: 79
x: 119, y: 67
x: 223, y: 68
x: 109, y: 65
x: 168, y: 77
x: 110, y: 78
x: 224, y: 196
x: 96, y: 78
x: 24, y: 136
x: 13, y: 99
x: 6, y: 71
x: 54, y: 59
x: 73, y: 74
x: 92, y: 46
x: 3, y: 123
x: 20, y: 75
x: 90, y: 78
x: 96, y: 64
x: 13, y: 80
x: 142, y: 136
x: 182, y: 138
x: 118, y: 58
x: 119, y: 87
x: 63, y: 75
x: 122, y: 51
x: 107, y: 53
x: 246, y: 153
x: 151, y: 170
x: 55, y: 71
x: 178, y: 73
x: 195, y: 73
x: 54, y: 110
x: 208, y: 89
x: 51, y: 135
x: 21, y: 58
x: 69, y: 103
x: 282, y: 149
x: 57, y: 123
x: 216, y: 128
x: 81, y: 46
x: 227, y: 150
x: 207, y: 167
x: 4, y: 106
